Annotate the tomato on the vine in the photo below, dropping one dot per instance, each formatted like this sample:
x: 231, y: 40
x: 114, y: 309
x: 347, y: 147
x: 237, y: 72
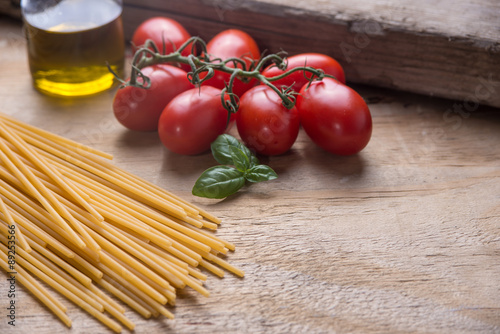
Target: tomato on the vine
x: 193, y: 120
x: 139, y: 109
x: 334, y: 116
x: 165, y: 33
x: 232, y: 43
x: 298, y: 79
x: 264, y: 123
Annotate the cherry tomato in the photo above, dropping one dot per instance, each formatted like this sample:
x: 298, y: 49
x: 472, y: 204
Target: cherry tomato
x: 140, y: 109
x: 334, y: 116
x: 162, y: 30
x: 297, y: 79
x: 264, y: 123
x: 232, y: 43
x: 193, y: 120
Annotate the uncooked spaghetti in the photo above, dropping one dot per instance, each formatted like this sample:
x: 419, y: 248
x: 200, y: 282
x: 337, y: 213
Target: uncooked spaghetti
x: 84, y: 226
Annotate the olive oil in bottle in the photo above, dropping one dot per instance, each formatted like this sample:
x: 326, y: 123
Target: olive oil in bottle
x: 70, y: 44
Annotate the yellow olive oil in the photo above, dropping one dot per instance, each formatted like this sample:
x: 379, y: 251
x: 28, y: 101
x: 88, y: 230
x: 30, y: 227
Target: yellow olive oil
x: 71, y: 43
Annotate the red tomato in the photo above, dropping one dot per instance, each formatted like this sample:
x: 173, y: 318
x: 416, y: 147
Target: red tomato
x: 139, y: 109
x: 162, y: 30
x: 232, y: 43
x: 193, y: 120
x: 264, y: 123
x: 297, y: 79
x: 335, y: 117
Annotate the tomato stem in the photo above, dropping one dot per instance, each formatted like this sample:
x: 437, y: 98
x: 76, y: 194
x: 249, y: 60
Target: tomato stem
x: 149, y: 55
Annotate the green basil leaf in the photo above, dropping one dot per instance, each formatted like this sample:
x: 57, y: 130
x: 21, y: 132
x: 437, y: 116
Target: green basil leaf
x: 253, y: 159
x: 240, y: 160
x: 221, y: 149
x: 260, y: 173
x: 218, y: 182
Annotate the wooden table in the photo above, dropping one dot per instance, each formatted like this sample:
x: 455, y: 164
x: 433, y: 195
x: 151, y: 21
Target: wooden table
x: 402, y: 238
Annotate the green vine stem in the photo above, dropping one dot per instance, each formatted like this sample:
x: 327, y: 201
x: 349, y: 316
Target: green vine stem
x: 203, y: 68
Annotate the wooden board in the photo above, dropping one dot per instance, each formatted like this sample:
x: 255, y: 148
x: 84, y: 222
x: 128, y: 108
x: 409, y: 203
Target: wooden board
x: 440, y: 48
x: 11, y: 8
x: 402, y: 238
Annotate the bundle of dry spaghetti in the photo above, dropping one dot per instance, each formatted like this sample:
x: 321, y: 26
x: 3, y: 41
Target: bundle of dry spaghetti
x: 91, y: 230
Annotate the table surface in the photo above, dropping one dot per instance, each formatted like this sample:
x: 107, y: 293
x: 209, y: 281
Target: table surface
x: 403, y: 237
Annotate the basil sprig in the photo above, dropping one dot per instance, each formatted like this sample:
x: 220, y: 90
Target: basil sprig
x: 238, y: 165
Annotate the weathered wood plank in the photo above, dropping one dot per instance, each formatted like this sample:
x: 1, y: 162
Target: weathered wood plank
x: 439, y: 48
x: 11, y: 8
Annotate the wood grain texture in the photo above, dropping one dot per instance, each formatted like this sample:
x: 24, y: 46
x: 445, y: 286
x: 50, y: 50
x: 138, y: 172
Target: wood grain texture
x: 437, y: 48
x: 402, y: 238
